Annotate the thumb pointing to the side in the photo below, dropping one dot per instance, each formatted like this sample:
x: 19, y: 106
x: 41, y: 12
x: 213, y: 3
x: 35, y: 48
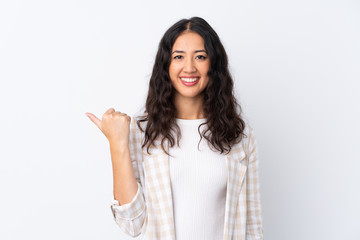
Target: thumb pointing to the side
x: 94, y: 119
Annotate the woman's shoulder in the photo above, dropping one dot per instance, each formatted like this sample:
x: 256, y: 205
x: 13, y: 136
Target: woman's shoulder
x: 248, y: 131
x: 136, y: 120
x: 248, y: 126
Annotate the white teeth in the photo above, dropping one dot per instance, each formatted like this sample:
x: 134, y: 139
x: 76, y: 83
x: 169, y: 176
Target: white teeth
x: 189, y: 79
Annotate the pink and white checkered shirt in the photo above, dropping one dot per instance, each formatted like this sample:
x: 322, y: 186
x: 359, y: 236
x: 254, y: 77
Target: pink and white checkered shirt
x: 150, y: 213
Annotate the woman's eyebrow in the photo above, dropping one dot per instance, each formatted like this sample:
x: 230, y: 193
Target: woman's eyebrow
x: 180, y: 51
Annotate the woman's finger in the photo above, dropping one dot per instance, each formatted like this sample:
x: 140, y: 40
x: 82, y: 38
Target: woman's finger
x: 94, y: 119
x: 109, y: 111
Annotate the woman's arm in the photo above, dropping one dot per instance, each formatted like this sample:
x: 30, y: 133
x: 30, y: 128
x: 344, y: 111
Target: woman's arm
x: 128, y: 205
x: 124, y: 181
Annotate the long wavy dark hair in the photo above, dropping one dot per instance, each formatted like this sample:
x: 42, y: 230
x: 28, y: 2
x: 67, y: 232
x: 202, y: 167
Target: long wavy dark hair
x: 225, y: 127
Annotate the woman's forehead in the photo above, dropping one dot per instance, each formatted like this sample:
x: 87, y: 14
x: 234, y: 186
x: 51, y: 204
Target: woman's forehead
x: 189, y: 41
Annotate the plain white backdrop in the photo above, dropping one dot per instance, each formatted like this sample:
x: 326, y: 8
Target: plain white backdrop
x: 296, y: 66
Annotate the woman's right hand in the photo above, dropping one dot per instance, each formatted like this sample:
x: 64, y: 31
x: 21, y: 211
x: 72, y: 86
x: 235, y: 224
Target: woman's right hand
x: 114, y: 125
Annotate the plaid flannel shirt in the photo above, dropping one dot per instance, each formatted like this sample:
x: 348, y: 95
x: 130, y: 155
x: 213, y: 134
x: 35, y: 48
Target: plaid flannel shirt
x: 150, y: 212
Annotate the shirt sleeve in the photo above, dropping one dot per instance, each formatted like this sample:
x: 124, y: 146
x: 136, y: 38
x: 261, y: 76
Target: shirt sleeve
x: 254, y: 225
x: 130, y: 217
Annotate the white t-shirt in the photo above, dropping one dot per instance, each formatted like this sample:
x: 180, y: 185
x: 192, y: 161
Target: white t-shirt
x: 198, y: 181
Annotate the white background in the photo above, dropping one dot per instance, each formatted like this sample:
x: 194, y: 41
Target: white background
x: 296, y: 66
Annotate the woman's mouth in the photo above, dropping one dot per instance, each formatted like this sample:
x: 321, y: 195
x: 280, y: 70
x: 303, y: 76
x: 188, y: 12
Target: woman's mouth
x: 189, y: 81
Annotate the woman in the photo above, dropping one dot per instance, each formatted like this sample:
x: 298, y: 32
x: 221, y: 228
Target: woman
x: 187, y: 167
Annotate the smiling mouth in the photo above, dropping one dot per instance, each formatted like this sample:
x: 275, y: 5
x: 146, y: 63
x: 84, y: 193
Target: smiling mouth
x: 189, y: 80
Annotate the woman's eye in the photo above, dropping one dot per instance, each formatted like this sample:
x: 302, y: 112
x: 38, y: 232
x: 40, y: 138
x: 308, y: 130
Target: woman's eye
x: 201, y: 57
x: 178, y: 57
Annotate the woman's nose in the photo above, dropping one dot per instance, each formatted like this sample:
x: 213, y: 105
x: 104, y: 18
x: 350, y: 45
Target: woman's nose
x: 189, y: 65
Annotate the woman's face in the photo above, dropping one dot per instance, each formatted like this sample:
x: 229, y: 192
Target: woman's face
x: 189, y: 65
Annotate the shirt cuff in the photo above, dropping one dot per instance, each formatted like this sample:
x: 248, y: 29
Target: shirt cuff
x: 131, y: 210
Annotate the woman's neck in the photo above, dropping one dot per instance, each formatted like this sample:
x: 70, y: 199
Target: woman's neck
x: 189, y: 108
